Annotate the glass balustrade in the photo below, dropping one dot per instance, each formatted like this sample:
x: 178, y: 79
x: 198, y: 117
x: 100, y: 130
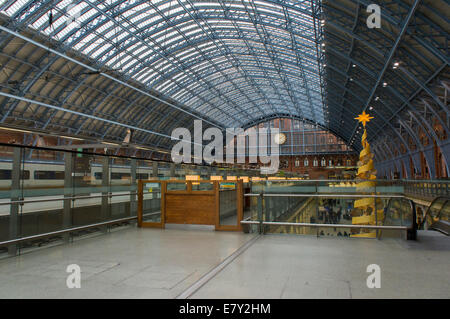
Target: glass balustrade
x: 328, y: 208
x: 45, y: 191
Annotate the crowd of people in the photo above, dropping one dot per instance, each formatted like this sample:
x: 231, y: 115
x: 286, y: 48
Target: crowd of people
x: 334, y: 212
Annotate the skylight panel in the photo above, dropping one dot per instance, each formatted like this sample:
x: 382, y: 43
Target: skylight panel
x: 63, y: 4
x: 139, y: 52
x: 85, y: 41
x: 56, y: 23
x: 91, y: 47
x: 68, y: 29
x: 141, y: 76
x: 15, y: 7
x: 179, y: 54
x: 139, y: 17
x: 127, y: 62
x: 40, y: 22
x: 144, y: 7
x: 101, y: 50
x: 84, y: 17
x: 162, y: 85
x: 105, y: 27
x: 180, y: 92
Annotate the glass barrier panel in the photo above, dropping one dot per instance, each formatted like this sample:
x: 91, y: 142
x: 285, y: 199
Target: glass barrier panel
x: 197, y: 186
x: 91, y: 178
x: 7, y: 194
x: 251, y: 209
x: 324, y: 187
x: 143, y: 170
x: 284, y: 187
x: 310, y: 210
x: 46, y: 182
x: 91, y: 210
x: 176, y: 187
x: 46, y: 173
x: 163, y: 171
x: 398, y: 212
x: 120, y: 187
x: 151, y: 204
x: 228, y: 204
x: 329, y: 210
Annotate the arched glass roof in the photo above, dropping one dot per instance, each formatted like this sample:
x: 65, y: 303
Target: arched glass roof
x: 101, y: 67
x: 232, y: 61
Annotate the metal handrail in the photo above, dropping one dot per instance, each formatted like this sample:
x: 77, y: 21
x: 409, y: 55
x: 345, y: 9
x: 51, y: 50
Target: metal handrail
x: 327, y: 180
x: 64, y: 198
x: 325, y: 225
x: 69, y: 230
x: 324, y: 195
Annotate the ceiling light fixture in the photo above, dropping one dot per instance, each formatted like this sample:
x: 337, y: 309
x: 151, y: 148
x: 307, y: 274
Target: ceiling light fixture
x: 15, y: 130
x: 72, y: 138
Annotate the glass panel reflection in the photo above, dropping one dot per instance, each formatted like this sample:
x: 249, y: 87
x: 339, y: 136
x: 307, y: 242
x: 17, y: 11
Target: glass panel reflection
x: 228, y: 204
x: 151, y: 205
x: 176, y: 186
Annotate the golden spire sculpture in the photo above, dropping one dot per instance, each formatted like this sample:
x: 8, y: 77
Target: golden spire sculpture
x: 366, y: 207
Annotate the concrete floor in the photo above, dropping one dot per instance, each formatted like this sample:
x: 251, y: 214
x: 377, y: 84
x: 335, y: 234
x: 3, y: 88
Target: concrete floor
x: 295, y: 267
x: 127, y: 263
x: 151, y: 263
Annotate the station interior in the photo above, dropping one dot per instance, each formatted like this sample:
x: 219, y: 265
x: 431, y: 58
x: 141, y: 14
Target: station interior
x: 245, y: 149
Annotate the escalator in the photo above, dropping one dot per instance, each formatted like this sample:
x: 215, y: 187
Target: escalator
x: 400, y: 212
x: 437, y: 216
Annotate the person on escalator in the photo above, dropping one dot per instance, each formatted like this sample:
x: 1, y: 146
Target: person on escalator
x: 327, y: 213
x: 339, y: 213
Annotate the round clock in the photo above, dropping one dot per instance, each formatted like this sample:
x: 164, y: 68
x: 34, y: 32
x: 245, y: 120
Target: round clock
x: 280, y: 138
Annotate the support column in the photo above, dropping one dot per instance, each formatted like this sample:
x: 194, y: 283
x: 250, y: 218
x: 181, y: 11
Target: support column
x: 15, y: 196
x: 209, y: 171
x: 155, y: 169
x: 429, y: 155
x: 172, y: 170
x: 68, y: 192
x: 133, y: 188
x: 105, y: 191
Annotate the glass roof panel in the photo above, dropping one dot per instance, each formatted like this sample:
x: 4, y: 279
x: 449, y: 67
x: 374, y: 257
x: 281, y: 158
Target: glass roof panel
x: 234, y: 60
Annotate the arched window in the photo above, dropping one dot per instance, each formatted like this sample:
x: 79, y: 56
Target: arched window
x: 306, y: 162
x: 297, y: 163
x: 330, y: 163
x: 315, y: 162
x: 323, y: 162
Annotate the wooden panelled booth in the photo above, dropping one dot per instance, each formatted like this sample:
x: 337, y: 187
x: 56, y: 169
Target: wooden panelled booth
x: 206, y: 202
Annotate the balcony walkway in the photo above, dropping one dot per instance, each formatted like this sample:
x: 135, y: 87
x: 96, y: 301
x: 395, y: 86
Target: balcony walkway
x: 152, y: 263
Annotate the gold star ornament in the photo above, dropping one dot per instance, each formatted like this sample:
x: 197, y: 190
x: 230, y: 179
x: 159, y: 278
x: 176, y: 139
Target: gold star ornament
x: 364, y: 118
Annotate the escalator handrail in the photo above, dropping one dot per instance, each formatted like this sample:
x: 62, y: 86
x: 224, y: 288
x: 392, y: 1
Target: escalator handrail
x: 446, y: 200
